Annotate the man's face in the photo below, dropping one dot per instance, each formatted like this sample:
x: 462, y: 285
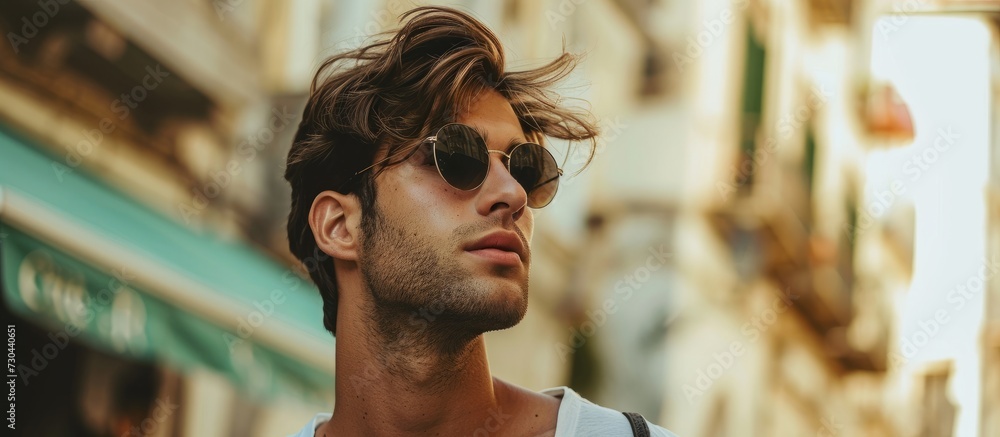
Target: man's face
x: 430, y: 252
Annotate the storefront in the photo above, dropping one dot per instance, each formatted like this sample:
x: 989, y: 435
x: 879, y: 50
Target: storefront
x: 105, y: 282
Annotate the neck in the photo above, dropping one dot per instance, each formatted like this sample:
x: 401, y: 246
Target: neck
x: 400, y: 376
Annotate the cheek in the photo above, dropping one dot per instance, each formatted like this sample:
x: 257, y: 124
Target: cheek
x: 418, y: 197
x: 527, y: 224
x: 422, y: 201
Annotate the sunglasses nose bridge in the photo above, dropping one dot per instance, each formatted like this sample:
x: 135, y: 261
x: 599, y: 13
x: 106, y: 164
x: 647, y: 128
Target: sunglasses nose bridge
x: 500, y: 187
x: 506, y: 162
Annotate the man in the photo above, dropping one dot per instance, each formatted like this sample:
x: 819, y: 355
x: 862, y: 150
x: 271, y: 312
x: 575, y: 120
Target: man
x: 414, y: 173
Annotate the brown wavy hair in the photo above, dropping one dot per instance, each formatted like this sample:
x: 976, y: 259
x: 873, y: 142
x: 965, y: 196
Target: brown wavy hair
x: 395, y: 91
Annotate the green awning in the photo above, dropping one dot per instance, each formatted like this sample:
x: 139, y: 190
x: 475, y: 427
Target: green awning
x: 87, y: 261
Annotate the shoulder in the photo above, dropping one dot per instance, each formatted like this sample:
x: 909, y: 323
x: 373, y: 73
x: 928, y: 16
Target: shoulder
x: 535, y: 411
x: 310, y: 429
x: 580, y: 417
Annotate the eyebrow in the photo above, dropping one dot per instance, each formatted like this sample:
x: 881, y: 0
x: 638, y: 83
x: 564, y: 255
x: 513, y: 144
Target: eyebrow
x: 510, y: 144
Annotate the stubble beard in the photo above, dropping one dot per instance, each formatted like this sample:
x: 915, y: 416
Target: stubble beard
x: 422, y: 297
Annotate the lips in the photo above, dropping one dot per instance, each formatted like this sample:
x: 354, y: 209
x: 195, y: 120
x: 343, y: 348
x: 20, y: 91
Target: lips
x: 505, y: 241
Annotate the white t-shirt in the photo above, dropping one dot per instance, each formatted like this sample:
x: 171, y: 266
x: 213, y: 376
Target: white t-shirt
x: 578, y: 417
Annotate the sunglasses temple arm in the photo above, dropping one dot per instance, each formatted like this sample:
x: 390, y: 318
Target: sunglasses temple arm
x: 544, y: 182
x: 387, y: 158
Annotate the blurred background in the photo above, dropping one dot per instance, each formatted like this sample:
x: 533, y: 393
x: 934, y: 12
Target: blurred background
x: 791, y: 228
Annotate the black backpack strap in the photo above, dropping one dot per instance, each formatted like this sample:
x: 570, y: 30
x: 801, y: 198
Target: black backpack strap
x: 638, y: 424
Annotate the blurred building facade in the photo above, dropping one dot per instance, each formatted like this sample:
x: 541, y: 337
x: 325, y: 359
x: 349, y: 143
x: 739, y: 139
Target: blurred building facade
x: 795, y: 300
x: 143, y: 148
x: 734, y: 262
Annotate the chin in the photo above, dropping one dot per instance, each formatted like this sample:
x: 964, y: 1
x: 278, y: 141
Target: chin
x: 509, y: 308
x: 498, y: 307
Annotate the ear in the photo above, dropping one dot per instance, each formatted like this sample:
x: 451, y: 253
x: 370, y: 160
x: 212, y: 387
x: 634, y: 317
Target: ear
x: 334, y: 218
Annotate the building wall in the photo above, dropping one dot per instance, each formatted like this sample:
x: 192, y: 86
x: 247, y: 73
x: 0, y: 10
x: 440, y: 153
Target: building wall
x: 711, y: 342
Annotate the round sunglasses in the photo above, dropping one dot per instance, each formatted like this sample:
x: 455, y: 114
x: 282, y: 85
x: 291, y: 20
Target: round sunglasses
x: 463, y: 160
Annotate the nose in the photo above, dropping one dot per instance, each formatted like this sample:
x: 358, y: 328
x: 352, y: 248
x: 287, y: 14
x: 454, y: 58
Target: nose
x: 500, y: 191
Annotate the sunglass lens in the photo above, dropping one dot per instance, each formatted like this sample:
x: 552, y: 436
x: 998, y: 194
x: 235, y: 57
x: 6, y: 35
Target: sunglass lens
x: 461, y: 156
x: 536, y: 170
